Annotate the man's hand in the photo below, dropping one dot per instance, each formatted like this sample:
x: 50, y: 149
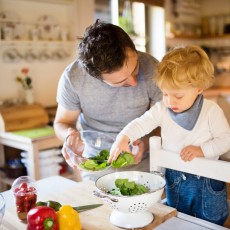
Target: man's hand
x: 72, y: 143
x: 190, y: 152
x: 138, y: 150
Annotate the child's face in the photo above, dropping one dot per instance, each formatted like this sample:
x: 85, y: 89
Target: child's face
x: 179, y: 100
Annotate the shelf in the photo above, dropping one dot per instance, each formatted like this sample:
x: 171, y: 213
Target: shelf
x: 225, y: 36
x: 220, y: 41
x: 37, y: 43
x: 6, y: 180
x: 62, y: 2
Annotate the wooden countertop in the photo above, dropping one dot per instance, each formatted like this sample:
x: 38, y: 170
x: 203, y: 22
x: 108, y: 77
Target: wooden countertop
x: 76, y: 194
x: 217, y: 91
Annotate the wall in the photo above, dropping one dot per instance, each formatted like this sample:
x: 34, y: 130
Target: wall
x: 70, y: 16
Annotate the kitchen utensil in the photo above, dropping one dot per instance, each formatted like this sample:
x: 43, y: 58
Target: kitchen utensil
x: 131, y: 211
x: 87, y: 145
x: 2, y: 207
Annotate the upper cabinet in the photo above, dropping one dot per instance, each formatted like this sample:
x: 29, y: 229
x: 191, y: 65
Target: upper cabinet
x: 49, y: 20
x: 40, y: 35
x: 202, y: 21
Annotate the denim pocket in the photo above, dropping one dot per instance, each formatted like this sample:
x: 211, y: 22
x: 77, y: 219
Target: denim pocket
x: 215, y: 201
x: 173, y: 179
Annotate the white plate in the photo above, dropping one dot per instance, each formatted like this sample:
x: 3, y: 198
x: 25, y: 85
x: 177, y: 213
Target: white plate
x: 49, y: 28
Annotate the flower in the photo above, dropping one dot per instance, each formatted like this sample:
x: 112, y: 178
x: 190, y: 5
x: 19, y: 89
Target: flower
x: 25, y: 80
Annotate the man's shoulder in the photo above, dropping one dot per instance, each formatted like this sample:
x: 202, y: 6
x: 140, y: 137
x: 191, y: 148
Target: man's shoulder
x: 147, y: 58
x: 74, y: 71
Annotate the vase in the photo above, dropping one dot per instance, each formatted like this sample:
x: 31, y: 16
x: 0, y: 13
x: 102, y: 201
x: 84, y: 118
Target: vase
x: 29, y: 96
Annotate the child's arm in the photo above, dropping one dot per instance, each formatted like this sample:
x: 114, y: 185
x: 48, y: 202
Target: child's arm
x: 120, y: 145
x: 190, y: 152
x: 136, y: 129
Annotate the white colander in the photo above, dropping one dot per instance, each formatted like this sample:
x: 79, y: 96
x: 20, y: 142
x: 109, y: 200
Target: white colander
x: 131, y: 211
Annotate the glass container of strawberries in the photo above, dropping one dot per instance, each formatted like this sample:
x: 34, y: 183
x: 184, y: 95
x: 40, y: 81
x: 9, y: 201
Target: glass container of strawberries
x: 25, y: 192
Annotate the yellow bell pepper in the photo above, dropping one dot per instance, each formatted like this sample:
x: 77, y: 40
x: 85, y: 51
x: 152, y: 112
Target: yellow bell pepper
x: 68, y: 218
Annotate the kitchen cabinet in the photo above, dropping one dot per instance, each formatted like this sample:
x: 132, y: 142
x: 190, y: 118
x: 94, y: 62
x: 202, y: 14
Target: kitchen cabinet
x: 32, y: 146
x: 42, y: 36
x: 195, y: 19
x: 38, y: 36
x: 24, y: 128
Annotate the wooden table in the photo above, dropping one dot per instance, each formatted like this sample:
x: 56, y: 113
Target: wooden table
x: 31, y: 145
x: 76, y: 193
x: 81, y: 193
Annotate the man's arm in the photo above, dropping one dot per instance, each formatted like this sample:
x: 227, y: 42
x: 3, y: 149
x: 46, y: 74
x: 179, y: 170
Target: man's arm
x: 64, y: 120
x: 143, y: 144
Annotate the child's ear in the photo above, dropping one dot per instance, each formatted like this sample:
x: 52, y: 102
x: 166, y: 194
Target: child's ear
x: 200, y: 91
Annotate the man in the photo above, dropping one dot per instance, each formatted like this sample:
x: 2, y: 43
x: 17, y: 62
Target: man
x: 109, y: 85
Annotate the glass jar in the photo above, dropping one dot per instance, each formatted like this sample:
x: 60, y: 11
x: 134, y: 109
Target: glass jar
x: 25, y: 192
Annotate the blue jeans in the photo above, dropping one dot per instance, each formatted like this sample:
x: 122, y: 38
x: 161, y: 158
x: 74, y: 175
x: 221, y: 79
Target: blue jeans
x: 197, y: 196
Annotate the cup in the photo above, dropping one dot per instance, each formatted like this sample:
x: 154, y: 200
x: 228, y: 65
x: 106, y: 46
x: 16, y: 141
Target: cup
x: 64, y: 35
x: 25, y: 192
x: 8, y: 33
x: 213, y: 26
x: 34, y: 34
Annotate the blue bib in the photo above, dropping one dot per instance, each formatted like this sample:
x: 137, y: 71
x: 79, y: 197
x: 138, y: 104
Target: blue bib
x: 188, y: 118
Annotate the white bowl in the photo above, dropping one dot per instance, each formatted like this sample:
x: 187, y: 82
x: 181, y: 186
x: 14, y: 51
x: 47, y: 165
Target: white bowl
x: 88, y: 144
x: 131, y: 211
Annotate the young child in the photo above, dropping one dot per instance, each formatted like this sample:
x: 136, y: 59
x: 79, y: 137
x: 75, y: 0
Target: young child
x: 190, y: 125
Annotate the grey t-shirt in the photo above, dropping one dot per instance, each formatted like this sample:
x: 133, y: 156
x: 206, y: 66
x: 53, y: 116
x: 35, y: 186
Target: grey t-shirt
x: 108, y: 109
x: 103, y: 107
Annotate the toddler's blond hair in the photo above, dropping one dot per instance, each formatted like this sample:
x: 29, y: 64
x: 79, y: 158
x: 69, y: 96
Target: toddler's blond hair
x: 183, y: 67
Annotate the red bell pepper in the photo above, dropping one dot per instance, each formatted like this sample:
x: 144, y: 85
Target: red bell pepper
x: 42, y: 218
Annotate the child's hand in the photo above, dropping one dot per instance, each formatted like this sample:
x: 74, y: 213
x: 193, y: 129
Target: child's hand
x: 120, y: 145
x: 190, y: 152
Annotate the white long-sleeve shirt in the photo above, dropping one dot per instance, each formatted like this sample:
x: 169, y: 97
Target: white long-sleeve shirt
x: 211, y: 131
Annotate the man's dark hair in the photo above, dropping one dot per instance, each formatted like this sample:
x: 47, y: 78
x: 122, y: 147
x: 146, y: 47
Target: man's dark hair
x: 102, y: 49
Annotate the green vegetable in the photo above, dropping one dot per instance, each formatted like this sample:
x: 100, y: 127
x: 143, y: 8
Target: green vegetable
x: 98, y: 162
x: 124, y: 159
x: 128, y: 188
x: 54, y: 205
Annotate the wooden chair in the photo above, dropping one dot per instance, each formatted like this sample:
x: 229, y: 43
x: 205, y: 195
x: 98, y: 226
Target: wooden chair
x: 159, y: 158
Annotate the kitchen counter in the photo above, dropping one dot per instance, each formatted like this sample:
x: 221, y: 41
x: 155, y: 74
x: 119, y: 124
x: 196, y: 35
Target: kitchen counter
x: 76, y: 194
x: 217, y: 91
x: 80, y: 193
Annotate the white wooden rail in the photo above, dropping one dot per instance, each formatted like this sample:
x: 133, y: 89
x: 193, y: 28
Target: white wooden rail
x: 215, y: 169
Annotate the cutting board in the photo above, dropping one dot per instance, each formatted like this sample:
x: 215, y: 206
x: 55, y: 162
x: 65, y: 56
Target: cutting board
x: 24, y: 116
